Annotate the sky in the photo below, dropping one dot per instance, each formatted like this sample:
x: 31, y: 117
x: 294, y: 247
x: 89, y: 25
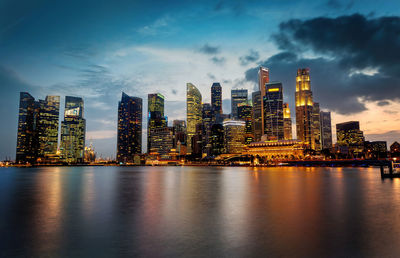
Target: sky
x: 98, y: 49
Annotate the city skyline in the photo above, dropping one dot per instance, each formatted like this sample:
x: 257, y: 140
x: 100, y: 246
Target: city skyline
x: 163, y: 51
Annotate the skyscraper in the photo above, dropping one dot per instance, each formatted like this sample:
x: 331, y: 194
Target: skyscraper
x: 27, y: 140
x: 217, y: 139
x: 287, y: 122
x: 207, y: 120
x: 129, y: 141
x: 162, y: 140
x: 273, y: 111
x: 234, y: 136
x: 155, y: 115
x: 216, y: 99
x: 238, y: 96
x: 316, y: 128
x: 263, y: 78
x: 257, y: 115
x: 73, y: 131
x: 48, y: 127
x: 350, y: 139
x: 193, y: 112
x: 304, y: 107
x: 245, y: 114
x: 326, y: 130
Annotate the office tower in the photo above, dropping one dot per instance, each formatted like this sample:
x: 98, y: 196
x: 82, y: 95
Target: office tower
x: 162, y: 140
x: 48, y: 127
x: 129, y: 141
x: 316, y: 130
x: 216, y: 99
x: 304, y: 107
x: 273, y: 111
x: 287, y: 122
x: 179, y: 131
x: 234, y: 136
x: 238, y: 96
x: 350, y: 139
x: 326, y: 130
x: 73, y: 131
x: 193, y: 112
x: 197, y: 141
x: 27, y: 140
x: 257, y: 115
x: 207, y: 118
x: 245, y: 114
x: 155, y: 115
x: 217, y: 139
x: 263, y: 78
x: 375, y: 150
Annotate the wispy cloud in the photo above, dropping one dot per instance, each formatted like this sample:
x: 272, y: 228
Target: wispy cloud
x: 161, y: 25
x: 209, y: 49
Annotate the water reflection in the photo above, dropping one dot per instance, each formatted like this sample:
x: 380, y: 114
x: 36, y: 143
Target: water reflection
x: 196, y: 211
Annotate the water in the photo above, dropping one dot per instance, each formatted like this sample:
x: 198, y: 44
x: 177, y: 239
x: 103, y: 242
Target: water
x: 198, y: 212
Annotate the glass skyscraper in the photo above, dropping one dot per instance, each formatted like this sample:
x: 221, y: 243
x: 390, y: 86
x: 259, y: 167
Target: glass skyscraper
x: 257, y: 115
x: 245, y: 113
x: 155, y: 114
x: 316, y: 129
x: 326, y: 130
x: 273, y: 111
x: 350, y: 139
x: 287, y: 122
x: 263, y: 78
x: 48, y: 127
x: 207, y: 120
x: 129, y: 141
x: 193, y: 112
x: 238, y: 96
x: 234, y: 132
x: 73, y: 130
x: 216, y: 99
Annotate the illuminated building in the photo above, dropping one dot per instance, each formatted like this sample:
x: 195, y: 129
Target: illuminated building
x: 350, y: 139
x: 155, y: 115
x: 326, y: 130
x: 263, y: 78
x: 129, y: 139
x: 395, y: 150
x: 375, y: 149
x: 179, y: 131
x: 48, y: 127
x: 73, y: 131
x: 257, y: 115
x: 304, y: 107
x: 217, y: 139
x: 90, y: 154
x: 245, y: 114
x: 287, y: 122
x: 234, y: 131
x: 207, y: 117
x: 238, y: 96
x: 162, y: 141
x: 316, y: 128
x: 193, y: 112
x: 276, y: 150
x: 216, y: 99
x: 27, y: 141
x: 197, y: 141
x: 273, y: 111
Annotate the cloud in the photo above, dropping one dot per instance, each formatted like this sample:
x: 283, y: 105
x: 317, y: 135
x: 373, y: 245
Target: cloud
x: 101, y: 134
x: 218, y: 60
x: 336, y: 4
x: 209, y: 50
x: 383, y: 103
x: 251, y: 57
x: 161, y: 25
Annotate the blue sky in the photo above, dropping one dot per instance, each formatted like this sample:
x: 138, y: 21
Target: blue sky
x: 97, y: 49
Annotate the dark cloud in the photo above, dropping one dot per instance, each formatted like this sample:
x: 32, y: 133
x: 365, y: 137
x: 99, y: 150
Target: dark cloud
x: 218, y: 60
x: 209, y: 50
x: 251, y: 57
x: 359, y: 60
x: 174, y: 91
x: 211, y: 76
x: 383, y: 103
x: 336, y: 4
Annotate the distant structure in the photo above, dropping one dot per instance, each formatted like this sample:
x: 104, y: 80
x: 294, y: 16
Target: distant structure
x: 194, y: 112
x: 155, y: 114
x: 350, y: 139
x: 395, y: 150
x: 257, y: 115
x: 276, y: 150
x: 263, y: 78
x: 73, y: 131
x: 287, y: 122
x: 273, y: 111
x: 326, y: 130
x: 217, y: 139
x: 234, y: 136
x: 37, y: 136
x: 207, y: 120
x: 375, y: 149
x: 216, y: 99
x: 129, y: 141
x: 162, y: 141
x: 304, y: 108
x: 245, y: 114
x: 238, y: 96
x: 316, y: 127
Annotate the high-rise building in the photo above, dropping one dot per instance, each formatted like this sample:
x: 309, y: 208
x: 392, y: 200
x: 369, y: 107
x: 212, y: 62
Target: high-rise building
x: 326, y: 130
x: 179, y: 131
x: 245, y: 114
x: 193, y: 112
x: 155, y: 115
x: 234, y: 136
x: 287, y: 122
x: 238, y: 96
x: 217, y: 139
x: 257, y: 115
x: 375, y: 150
x: 207, y: 119
x: 27, y: 140
x: 162, y: 140
x: 129, y: 141
x: 216, y: 98
x: 304, y: 107
x: 48, y: 127
x: 350, y: 139
x: 273, y: 111
x: 73, y: 131
x: 263, y: 78
x: 316, y: 130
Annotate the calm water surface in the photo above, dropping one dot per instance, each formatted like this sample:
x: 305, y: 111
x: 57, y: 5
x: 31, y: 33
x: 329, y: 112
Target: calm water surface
x: 198, y: 212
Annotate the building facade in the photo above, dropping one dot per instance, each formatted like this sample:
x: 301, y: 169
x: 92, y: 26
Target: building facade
x: 162, y: 141
x: 48, y: 124
x: 155, y: 114
x: 193, y: 112
x: 263, y: 78
x: 316, y: 128
x: 207, y: 120
x: 216, y: 99
x: 238, y: 96
x: 273, y: 111
x: 245, y: 113
x: 350, y: 139
x: 234, y: 131
x: 217, y: 139
x: 257, y: 115
x: 287, y: 122
x: 326, y: 130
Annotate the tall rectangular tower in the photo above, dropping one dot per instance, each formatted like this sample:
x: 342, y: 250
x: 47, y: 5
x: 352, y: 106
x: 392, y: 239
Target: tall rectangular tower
x: 273, y: 111
x: 257, y: 115
x: 216, y: 99
x: 287, y: 122
x: 238, y: 96
x: 193, y: 112
x: 155, y: 115
x: 326, y: 129
x: 263, y: 78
